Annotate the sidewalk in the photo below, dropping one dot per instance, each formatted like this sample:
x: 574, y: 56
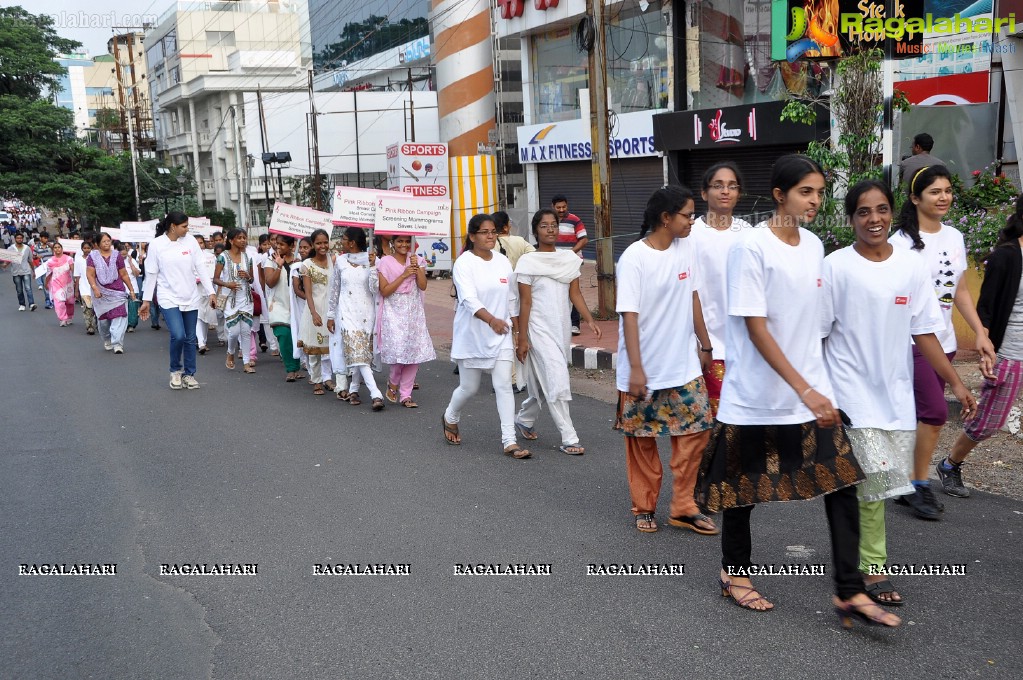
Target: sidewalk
x: 588, y: 351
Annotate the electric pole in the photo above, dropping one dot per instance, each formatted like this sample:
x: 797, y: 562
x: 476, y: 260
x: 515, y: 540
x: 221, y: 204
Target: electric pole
x: 317, y: 192
x: 601, y: 171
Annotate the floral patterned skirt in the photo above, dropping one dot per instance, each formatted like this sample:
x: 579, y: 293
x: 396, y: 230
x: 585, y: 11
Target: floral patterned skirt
x: 670, y: 412
x: 749, y: 464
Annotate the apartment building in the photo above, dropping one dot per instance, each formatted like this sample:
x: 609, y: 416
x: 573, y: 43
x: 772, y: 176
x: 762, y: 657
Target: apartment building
x: 202, y: 57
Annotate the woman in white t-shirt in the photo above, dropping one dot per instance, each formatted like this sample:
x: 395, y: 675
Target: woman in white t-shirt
x: 482, y: 339
x: 714, y: 235
x: 943, y: 250
x: 663, y: 350
x: 877, y: 296
x: 779, y: 435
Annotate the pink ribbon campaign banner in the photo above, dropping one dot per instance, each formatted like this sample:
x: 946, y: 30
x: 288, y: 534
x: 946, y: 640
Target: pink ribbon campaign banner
x: 298, y: 221
x: 355, y: 207
x: 401, y: 214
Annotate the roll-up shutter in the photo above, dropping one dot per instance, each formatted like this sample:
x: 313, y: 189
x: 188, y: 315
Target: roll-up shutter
x: 755, y: 164
x: 632, y: 182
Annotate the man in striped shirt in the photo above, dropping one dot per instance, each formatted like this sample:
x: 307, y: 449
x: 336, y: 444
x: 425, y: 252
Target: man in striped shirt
x: 571, y: 234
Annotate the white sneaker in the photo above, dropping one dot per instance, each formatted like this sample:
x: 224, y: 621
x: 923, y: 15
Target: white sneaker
x: 40, y: 287
x: 107, y: 345
x: 118, y: 349
x: 190, y: 382
x: 21, y: 308
x: 175, y: 380
x: 575, y: 330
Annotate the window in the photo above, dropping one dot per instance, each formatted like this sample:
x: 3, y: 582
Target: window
x: 637, y: 72
x: 175, y: 75
x: 728, y: 55
x: 220, y: 38
x: 170, y: 43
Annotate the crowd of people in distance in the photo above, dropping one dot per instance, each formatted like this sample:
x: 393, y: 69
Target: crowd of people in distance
x: 776, y: 373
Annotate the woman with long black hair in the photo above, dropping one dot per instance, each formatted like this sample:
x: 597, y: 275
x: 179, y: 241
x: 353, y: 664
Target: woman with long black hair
x: 919, y: 229
x: 779, y: 436
x: 173, y: 263
x: 234, y: 273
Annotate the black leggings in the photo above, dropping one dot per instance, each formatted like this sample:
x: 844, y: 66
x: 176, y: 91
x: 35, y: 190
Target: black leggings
x: 843, y: 512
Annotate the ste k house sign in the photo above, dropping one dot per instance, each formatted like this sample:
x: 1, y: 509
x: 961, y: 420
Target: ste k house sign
x: 734, y: 126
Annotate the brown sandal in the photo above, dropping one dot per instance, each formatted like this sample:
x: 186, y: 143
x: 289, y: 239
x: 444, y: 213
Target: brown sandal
x: 392, y: 393
x: 408, y: 403
x: 353, y: 398
x: 318, y: 389
x: 378, y: 404
x: 249, y: 368
x: 230, y: 361
x: 451, y: 429
x: 517, y: 452
x: 645, y: 522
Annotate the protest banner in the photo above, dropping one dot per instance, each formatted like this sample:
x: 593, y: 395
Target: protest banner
x: 41, y: 270
x: 355, y: 207
x: 399, y: 213
x: 139, y: 232
x: 10, y: 255
x: 298, y: 221
x: 71, y: 246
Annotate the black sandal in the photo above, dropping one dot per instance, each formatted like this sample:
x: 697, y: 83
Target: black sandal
x: 875, y: 590
x: 452, y: 429
x: 690, y: 522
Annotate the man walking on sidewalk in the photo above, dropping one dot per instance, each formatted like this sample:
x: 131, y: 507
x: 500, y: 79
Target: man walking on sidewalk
x: 571, y: 234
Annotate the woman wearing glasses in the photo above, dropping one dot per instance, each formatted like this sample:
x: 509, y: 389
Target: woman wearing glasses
x: 713, y: 235
x: 663, y: 351
x: 548, y: 284
x: 482, y: 338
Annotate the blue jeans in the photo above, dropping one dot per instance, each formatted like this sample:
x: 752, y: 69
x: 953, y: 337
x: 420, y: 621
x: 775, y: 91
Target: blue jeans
x: 182, y: 338
x: 23, y: 284
x: 46, y: 289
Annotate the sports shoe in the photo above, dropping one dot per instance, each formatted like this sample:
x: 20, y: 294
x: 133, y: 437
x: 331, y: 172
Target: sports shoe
x: 952, y: 480
x: 190, y: 382
x: 107, y: 345
x: 175, y: 380
x: 118, y: 349
x: 32, y: 307
x: 575, y: 330
x: 21, y: 308
x: 922, y: 502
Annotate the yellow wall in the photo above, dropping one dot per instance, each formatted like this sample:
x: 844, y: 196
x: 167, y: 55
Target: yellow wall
x: 964, y: 334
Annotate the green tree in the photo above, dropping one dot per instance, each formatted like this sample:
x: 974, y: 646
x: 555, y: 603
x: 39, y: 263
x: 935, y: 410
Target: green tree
x: 28, y: 45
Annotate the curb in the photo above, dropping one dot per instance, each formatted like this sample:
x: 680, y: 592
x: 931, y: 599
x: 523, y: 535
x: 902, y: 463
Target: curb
x: 594, y: 358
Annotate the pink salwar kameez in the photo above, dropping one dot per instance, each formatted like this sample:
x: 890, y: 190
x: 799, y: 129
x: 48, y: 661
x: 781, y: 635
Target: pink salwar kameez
x: 62, y: 286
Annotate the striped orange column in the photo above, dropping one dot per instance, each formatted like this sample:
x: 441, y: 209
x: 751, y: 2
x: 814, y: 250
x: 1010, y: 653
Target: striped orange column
x: 464, y: 58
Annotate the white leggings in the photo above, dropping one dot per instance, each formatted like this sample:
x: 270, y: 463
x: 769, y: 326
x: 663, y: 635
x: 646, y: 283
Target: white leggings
x: 239, y: 334
x: 469, y: 384
x: 361, y: 374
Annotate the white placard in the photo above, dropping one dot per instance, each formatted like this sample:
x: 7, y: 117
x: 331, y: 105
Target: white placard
x: 10, y: 255
x: 72, y: 246
x: 198, y: 222
x: 204, y: 230
x: 139, y: 232
x: 113, y: 232
x: 298, y: 221
x: 355, y: 207
x: 41, y: 270
x: 399, y: 213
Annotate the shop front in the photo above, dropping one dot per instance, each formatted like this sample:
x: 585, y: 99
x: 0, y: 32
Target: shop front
x: 753, y: 136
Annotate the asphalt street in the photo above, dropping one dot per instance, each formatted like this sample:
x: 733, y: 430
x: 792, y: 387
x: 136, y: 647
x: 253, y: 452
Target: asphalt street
x: 102, y: 463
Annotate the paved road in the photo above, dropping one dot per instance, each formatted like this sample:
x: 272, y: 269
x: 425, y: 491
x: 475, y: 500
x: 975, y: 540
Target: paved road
x: 102, y: 463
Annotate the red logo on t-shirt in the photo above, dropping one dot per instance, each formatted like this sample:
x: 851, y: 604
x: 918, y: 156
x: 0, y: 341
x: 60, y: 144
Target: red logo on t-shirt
x: 820, y: 283
x: 185, y: 252
x: 683, y: 276
x: 504, y: 280
x: 901, y: 299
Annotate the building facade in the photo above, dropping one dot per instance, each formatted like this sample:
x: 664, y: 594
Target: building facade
x: 202, y: 59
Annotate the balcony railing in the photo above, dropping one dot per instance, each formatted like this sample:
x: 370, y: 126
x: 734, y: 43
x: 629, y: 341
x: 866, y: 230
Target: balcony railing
x: 246, y: 7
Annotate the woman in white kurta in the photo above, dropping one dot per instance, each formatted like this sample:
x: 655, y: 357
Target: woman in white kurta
x: 482, y: 337
x: 548, y: 284
x: 316, y: 280
x: 235, y: 276
x: 352, y: 313
x: 875, y: 297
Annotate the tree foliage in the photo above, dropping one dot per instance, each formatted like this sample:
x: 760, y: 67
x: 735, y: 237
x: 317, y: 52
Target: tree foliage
x: 361, y: 39
x: 28, y: 45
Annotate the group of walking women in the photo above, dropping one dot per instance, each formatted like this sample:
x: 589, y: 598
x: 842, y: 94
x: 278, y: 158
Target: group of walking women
x: 781, y: 374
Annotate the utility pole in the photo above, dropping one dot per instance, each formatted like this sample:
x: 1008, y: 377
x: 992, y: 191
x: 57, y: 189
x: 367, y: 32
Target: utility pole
x: 411, y: 107
x: 262, y: 141
x: 317, y: 192
x: 601, y: 170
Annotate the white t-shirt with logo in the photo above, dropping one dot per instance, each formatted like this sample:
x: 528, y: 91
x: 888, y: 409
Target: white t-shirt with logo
x: 712, y: 246
x: 783, y: 283
x: 870, y: 309
x: 658, y: 285
x: 944, y: 255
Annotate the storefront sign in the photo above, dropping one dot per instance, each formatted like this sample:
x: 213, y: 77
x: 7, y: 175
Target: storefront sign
x: 735, y: 126
x: 570, y: 140
x: 418, y: 169
x: 414, y: 51
x: 298, y: 221
x: 827, y: 29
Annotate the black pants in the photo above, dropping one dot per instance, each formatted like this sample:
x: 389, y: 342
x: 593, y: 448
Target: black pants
x: 843, y: 513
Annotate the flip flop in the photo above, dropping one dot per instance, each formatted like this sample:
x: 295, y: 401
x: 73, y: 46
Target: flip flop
x: 572, y: 449
x: 690, y: 522
x: 526, y: 432
x: 648, y: 519
x: 392, y: 393
x: 451, y: 429
x: 517, y: 452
